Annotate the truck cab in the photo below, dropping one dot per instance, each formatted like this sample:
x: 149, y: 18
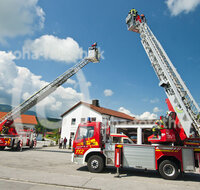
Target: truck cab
x: 88, y: 137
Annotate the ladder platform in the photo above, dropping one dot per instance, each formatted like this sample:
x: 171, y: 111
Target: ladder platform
x: 167, y: 135
x: 133, y: 25
x: 93, y: 55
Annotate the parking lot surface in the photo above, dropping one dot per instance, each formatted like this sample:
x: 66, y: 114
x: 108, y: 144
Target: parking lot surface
x: 51, y: 168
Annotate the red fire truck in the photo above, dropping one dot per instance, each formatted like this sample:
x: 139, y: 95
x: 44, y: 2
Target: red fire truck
x: 19, y: 137
x: 92, y: 145
x: 175, y: 150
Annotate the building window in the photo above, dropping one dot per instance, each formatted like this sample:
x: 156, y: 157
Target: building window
x: 93, y: 119
x: 73, y: 121
x: 72, y: 135
x: 82, y: 120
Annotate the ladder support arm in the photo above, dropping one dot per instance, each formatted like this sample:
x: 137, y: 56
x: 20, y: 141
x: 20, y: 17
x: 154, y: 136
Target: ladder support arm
x: 93, y: 56
x: 180, y: 97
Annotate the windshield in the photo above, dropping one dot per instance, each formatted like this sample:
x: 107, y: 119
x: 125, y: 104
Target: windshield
x: 127, y: 141
x: 124, y: 140
x: 85, y: 132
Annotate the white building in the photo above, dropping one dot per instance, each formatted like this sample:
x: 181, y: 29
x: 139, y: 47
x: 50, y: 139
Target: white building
x: 81, y: 111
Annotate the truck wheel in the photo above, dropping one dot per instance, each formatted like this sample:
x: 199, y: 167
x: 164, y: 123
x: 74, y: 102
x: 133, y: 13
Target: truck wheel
x: 2, y: 147
x: 95, y: 164
x: 19, y: 146
x: 31, y: 144
x: 168, y: 169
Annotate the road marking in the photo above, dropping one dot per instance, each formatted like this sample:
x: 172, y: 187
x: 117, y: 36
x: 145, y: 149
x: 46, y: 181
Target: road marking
x: 47, y: 184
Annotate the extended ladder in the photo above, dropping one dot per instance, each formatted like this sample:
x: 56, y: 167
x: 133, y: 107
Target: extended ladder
x: 93, y: 56
x: 180, y: 97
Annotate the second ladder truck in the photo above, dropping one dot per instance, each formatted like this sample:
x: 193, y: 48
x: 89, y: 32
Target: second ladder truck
x: 18, y: 138
x: 179, y: 99
x: 175, y: 151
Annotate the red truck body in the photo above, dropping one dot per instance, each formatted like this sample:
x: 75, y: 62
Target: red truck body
x: 16, y: 139
x: 87, y: 136
x: 92, y: 146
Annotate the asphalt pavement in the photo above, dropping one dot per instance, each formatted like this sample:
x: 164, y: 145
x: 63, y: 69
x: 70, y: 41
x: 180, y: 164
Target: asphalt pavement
x: 51, y: 168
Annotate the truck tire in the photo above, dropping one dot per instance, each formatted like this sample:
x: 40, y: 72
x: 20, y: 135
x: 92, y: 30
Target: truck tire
x: 19, y: 146
x: 95, y: 164
x: 31, y: 144
x: 2, y: 147
x: 168, y: 169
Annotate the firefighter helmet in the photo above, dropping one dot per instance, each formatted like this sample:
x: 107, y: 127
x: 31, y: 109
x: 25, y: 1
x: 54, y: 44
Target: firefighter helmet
x: 159, y: 122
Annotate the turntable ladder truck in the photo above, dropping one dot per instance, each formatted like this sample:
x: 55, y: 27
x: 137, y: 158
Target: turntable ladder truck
x: 170, y: 158
x: 179, y: 96
x: 9, y: 135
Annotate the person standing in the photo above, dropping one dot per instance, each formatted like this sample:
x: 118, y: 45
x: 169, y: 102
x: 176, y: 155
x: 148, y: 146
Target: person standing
x: 65, y: 142
x: 94, y: 45
x: 61, y: 142
x: 134, y: 13
x: 70, y: 143
x: 157, y: 127
x: 143, y: 18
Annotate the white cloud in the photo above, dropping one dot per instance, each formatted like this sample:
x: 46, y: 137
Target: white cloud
x: 108, y: 92
x: 71, y: 81
x: 178, y: 6
x: 126, y: 111
x: 154, y: 101
x: 89, y: 84
x: 156, y: 110
x: 20, y: 18
x: 148, y: 115
x: 18, y: 83
x: 143, y: 116
x: 54, y: 48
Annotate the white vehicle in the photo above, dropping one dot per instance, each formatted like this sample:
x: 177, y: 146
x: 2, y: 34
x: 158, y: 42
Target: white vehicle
x: 120, y: 139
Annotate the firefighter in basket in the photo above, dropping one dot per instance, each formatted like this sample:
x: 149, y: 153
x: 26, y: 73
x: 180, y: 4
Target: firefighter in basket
x: 133, y: 12
x: 157, y: 127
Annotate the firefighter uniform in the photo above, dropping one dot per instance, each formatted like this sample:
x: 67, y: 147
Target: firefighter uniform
x: 157, y: 127
x: 143, y: 18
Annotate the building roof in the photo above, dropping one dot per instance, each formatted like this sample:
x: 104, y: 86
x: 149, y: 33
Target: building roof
x: 25, y: 119
x: 102, y: 111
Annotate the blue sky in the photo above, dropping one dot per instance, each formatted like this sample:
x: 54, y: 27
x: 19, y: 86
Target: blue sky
x: 124, y: 80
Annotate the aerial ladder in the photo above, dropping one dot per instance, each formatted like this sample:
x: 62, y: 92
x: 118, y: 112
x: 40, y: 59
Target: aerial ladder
x: 7, y: 120
x: 186, y: 108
